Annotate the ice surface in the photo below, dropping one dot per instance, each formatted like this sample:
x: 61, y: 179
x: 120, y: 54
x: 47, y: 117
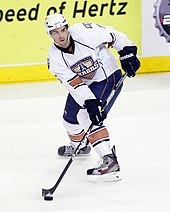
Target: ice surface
x: 31, y: 130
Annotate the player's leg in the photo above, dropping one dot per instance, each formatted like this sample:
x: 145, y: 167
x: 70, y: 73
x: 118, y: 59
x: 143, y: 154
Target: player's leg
x: 108, y: 168
x: 74, y: 130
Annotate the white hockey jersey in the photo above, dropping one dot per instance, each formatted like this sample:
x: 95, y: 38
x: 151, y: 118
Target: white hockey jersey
x: 91, y: 60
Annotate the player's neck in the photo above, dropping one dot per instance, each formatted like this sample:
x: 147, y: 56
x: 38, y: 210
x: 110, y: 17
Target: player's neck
x: 69, y: 49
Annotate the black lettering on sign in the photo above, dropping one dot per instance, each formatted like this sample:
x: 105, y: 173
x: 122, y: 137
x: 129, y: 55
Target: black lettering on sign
x: 10, y: 15
x: 82, y: 10
x: 121, y: 11
x: 93, y: 10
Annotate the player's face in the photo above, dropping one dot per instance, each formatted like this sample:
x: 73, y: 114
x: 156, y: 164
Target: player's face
x: 61, y: 36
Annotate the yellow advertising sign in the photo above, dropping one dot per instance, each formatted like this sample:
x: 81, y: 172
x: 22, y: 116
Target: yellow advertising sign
x: 24, y: 40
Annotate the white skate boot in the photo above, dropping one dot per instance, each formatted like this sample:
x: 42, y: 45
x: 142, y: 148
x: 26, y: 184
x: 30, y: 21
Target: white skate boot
x: 67, y: 151
x: 107, y: 170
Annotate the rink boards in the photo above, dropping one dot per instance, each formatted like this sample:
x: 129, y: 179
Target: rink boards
x: 41, y: 73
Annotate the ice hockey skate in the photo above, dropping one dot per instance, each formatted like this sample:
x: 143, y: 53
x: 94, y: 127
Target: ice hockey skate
x: 68, y: 150
x: 107, y: 170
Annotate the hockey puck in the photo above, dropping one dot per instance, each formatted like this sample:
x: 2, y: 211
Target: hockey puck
x: 48, y: 198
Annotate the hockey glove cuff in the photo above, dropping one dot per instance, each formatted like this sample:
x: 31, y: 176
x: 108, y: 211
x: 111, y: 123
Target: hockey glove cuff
x: 93, y: 107
x: 129, y: 61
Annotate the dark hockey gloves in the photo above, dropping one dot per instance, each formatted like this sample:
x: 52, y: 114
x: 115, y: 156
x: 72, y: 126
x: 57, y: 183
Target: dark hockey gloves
x: 129, y: 62
x: 93, y: 107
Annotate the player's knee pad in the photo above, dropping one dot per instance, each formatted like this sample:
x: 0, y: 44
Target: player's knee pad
x: 72, y: 129
x: 83, y: 119
x: 75, y: 133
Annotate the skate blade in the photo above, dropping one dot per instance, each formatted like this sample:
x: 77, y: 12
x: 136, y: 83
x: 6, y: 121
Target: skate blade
x: 83, y: 155
x: 76, y: 156
x: 108, y: 177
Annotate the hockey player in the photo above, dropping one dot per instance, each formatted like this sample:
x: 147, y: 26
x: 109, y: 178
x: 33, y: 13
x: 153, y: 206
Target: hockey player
x: 79, y: 58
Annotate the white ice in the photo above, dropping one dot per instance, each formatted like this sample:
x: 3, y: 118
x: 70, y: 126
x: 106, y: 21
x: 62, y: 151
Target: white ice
x: 31, y: 130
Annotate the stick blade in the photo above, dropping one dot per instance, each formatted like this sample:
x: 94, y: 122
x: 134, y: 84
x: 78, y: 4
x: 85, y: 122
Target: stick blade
x: 45, y: 192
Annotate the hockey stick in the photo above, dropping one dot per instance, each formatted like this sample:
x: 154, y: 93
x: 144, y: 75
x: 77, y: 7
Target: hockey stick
x: 46, y: 192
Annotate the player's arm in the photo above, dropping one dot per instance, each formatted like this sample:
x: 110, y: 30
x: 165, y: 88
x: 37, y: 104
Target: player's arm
x: 79, y: 89
x: 127, y: 51
x: 106, y: 34
x: 71, y: 81
x: 80, y: 92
